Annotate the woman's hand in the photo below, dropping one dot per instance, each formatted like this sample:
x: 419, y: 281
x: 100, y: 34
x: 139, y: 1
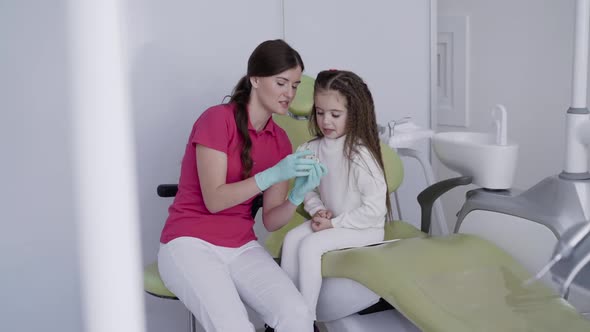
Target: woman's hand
x: 293, y: 165
x: 305, y: 184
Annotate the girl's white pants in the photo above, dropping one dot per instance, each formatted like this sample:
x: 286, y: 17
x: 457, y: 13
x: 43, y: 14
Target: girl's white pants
x: 213, y: 281
x: 303, y: 249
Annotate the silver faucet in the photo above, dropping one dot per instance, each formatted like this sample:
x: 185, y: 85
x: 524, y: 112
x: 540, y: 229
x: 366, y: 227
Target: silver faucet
x: 501, y: 123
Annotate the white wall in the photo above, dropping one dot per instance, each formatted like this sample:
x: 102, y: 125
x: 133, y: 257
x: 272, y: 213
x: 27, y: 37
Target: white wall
x: 520, y: 56
x: 38, y: 252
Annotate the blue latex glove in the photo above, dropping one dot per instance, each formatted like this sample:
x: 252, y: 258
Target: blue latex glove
x: 305, y: 184
x: 289, y: 167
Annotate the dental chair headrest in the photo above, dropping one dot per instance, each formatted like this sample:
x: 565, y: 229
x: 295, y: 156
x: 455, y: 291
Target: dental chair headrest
x: 303, y: 102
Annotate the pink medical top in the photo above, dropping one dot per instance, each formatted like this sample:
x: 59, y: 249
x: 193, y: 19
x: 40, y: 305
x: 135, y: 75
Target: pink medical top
x: 233, y: 227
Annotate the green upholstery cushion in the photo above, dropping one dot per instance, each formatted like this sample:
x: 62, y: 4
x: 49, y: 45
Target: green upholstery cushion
x: 297, y: 130
x: 152, y: 283
x: 303, y: 101
x: 394, y: 168
x: 458, y: 283
x: 401, y: 230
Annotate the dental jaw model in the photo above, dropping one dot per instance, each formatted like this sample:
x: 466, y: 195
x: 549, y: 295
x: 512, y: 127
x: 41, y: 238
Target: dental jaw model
x: 312, y: 156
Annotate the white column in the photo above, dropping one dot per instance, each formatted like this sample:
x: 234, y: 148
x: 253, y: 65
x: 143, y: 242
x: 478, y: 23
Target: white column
x: 105, y: 170
x: 576, y: 151
x: 580, y: 69
x: 583, y: 132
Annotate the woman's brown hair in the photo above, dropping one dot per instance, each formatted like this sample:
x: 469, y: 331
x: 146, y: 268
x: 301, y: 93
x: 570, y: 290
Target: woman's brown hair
x: 269, y: 58
x: 361, y: 121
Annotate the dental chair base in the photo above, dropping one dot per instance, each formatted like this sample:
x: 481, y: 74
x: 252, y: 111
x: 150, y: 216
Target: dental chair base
x: 342, y: 311
x: 384, y: 321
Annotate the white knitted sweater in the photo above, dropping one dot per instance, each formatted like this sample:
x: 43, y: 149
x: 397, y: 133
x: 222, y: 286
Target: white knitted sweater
x: 356, y: 198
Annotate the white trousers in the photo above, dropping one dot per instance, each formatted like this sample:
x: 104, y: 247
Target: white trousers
x: 213, y: 281
x: 302, y: 254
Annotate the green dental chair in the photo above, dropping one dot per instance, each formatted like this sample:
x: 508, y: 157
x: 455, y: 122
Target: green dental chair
x: 453, y: 283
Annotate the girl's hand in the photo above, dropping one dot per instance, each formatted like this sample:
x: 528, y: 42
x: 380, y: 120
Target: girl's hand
x: 323, y: 214
x: 319, y: 223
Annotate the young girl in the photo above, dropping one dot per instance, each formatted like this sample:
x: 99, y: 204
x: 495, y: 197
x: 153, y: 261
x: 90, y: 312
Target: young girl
x: 350, y: 206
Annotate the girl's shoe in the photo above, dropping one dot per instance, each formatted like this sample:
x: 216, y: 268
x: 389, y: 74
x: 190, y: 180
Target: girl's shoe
x: 270, y: 329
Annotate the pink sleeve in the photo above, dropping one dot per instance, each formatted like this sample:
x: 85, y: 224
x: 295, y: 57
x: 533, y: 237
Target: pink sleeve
x: 213, y: 128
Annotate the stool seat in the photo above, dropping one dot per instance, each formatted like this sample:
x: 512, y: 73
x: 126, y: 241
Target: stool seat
x: 152, y: 283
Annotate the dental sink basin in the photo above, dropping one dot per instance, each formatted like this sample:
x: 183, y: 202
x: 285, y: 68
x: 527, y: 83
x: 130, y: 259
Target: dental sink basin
x: 477, y: 154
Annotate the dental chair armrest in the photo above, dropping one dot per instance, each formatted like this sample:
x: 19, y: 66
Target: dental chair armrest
x: 256, y: 205
x: 429, y: 195
x: 170, y: 190
x: 167, y: 190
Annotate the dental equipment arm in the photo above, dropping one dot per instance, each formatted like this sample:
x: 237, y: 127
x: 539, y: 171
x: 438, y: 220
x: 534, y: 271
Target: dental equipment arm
x: 574, y: 272
x: 572, y: 238
x: 573, y: 250
x: 566, y: 245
